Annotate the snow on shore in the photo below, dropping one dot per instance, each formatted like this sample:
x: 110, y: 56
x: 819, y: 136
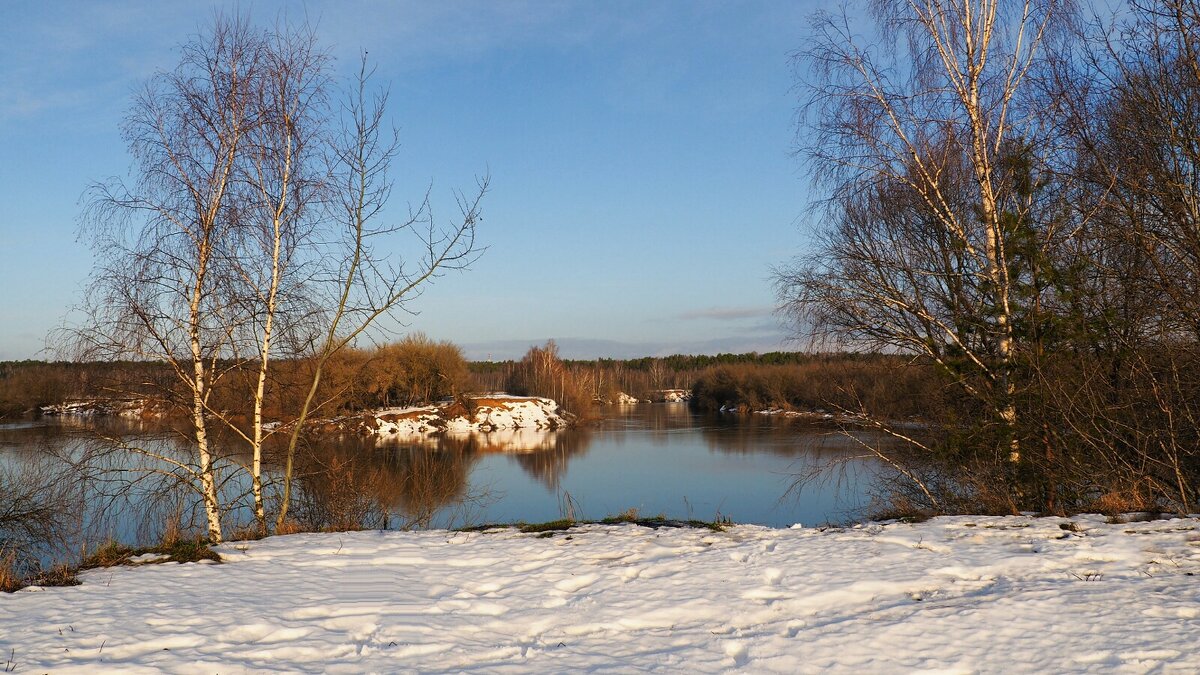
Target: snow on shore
x: 482, y: 414
x: 129, y: 408
x: 963, y: 594
x: 671, y: 395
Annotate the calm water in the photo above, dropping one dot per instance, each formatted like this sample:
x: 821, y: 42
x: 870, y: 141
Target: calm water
x: 660, y: 459
x: 665, y: 459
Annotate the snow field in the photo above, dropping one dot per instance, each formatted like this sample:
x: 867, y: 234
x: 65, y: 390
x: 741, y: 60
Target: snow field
x: 962, y: 594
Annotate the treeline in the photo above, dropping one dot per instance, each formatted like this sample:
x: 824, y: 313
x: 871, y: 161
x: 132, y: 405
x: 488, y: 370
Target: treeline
x: 25, y: 386
x: 637, y: 377
x: 411, y: 371
x: 884, y: 386
x: 887, y: 385
x: 418, y: 370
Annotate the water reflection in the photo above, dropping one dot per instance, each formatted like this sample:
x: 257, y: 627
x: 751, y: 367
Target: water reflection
x: 348, y: 485
x: 663, y: 419
x: 501, y: 440
x: 428, y: 473
x: 548, y: 466
x: 737, y: 434
x: 658, y: 458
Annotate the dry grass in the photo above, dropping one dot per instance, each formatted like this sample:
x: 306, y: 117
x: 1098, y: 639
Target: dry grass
x: 289, y: 526
x: 10, y: 578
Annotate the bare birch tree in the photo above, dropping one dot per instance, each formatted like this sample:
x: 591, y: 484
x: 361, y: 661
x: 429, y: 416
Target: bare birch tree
x: 254, y: 231
x: 161, y: 287
x: 920, y: 136
x: 277, y: 217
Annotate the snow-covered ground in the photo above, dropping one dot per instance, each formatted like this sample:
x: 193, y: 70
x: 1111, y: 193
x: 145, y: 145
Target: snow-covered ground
x: 963, y: 594
x: 487, y: 414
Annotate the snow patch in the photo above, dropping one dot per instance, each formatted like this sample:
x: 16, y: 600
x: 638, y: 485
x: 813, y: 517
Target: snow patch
x: 98, y: 407
x: 517, y: 416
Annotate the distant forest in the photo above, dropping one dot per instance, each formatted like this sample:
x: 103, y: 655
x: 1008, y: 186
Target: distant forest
x: 417, y: 370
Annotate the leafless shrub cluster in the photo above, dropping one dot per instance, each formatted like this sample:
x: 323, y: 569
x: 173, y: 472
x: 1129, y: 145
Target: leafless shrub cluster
x: 39, y: 511
x: 413, y: 371
x: 542, y: 373
x: 889, y: 387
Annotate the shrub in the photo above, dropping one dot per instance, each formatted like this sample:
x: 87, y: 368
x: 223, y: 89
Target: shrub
x: 415, y: 370
x: 542, y: 373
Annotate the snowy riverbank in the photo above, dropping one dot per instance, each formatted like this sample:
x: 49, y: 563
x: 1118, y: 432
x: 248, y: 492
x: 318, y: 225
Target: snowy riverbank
x: 963, y: 594
x: 480, y: 414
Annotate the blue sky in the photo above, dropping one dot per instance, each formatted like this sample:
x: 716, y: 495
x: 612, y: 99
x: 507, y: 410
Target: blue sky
x: 640, y: 156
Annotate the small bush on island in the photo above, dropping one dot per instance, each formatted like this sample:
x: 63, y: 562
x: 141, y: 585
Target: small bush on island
x: 412, y: 371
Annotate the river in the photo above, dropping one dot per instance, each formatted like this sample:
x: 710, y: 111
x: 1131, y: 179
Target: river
x: 660, y: 459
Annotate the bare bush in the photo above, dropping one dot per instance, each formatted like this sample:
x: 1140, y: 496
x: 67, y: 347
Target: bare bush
x: 39, y: 510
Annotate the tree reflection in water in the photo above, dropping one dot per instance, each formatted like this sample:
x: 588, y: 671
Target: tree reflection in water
x: 419, y: 482
x: 548, y: 464
x: 350, y: 485
x: 665, y: 417
x: 787, y: 437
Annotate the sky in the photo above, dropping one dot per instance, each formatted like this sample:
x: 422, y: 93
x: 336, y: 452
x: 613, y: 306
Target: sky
x: 643, y: 181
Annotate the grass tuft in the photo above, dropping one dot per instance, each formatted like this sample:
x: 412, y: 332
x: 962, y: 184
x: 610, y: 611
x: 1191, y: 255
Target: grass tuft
x: 11, y: 580
x: 108, y: 554
x: 174, y: 549
x: 630, y: 517
x: 289, y: 527
x: 59, y: 575
x: 550, y: 526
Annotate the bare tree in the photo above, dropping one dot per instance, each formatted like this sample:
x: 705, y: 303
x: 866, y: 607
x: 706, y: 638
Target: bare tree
x: 38, y: 500
x: 921, y: 136
x: 277, y: 211
x: 161, y: 289
x: 1129, y: 100
x: 365, y: 282
x: 253, y: 231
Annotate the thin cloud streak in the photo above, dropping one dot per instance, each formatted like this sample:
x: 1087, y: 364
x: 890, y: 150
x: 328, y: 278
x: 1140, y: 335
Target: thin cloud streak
x: 586, y: 348
x: 727, y: 313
